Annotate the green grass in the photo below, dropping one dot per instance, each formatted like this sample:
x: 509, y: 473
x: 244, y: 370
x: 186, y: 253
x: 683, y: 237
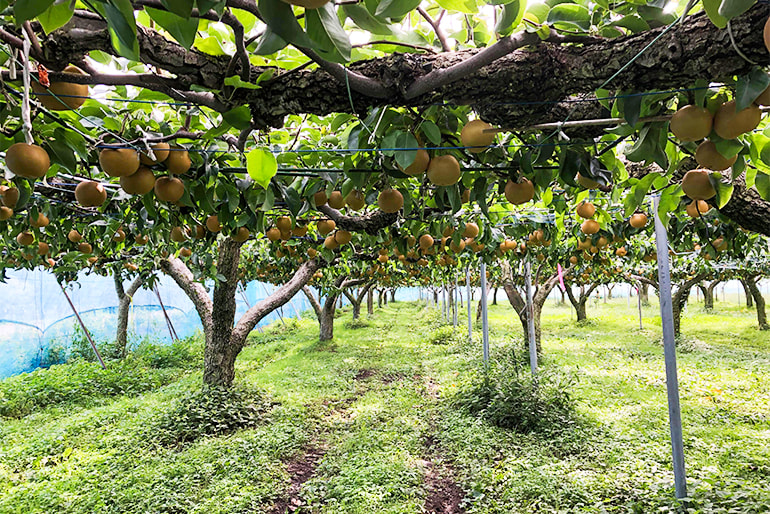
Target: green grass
x: 373, y: 397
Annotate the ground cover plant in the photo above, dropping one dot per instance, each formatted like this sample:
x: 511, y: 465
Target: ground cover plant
x: 370, y: 423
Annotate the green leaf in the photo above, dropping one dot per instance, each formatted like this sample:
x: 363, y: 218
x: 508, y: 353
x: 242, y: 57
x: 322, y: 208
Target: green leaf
x: 406, y: 157
x: 395, y: 8
x: 240, y: 117
x: 570, y: 14
x: 632, y: 22
x: 122, y: 26
x: 279, y: 16
x: 261, y: 166
x: 712, y: 11
x: 363, y: 19
x: 270, y: 43
x: 24, y: 10
x: 205, y: 5
x: 324, y: 28
x: 732, y: 8
x: 511, y: 16
x: 182, y: 8
x: 431, y: 131
x: 59, y: 13
x: 183, y: 30
x: 762, y: 185
x: 729, y: 148
x: 463, y: 6
x: 724, y: 191
x: 749, y: 87
x: 236, y: 81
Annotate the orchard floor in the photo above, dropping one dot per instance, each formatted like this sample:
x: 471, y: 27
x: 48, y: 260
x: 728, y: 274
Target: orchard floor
x: 364, y: 425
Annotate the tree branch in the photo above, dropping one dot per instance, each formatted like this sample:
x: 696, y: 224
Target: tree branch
x: 441, y: 77
x: 313, y: 301
x: 436, y: 28
x: 371, y: 223
x: 184, y: 278
x: 278, y: 298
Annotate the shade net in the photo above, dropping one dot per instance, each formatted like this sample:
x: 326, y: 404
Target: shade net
x: 38, y: 326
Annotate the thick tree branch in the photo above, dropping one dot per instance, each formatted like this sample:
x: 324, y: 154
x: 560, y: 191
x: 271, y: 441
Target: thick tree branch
x: 184, y: 278
x: 371, y: 223
x: 278, y: 298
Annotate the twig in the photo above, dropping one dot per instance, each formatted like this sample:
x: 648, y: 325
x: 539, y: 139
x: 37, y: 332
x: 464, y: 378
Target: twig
x: 436, y: 28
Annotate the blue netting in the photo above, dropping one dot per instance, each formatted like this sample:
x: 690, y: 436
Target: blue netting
x: 37, y: 325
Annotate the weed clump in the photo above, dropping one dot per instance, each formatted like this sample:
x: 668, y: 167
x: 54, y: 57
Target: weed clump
x: 212, y: 411
x: 444, y: 335
x: 354, y: 324
x: 507, y: 397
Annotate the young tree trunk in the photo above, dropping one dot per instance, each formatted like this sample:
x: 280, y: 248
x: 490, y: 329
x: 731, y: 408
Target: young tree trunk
x: 225, y: 338
x: 494, y: 296
x: 759, y: 300
x: 125, y: 297
x: 747, y: 290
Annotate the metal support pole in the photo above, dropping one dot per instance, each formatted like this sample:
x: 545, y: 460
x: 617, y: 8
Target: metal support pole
x: 454, y: 304
x: 469, y: 302
x: 530, y: 317
x: 669, y: 351
x: 83, y: 326
x: 484, y: 313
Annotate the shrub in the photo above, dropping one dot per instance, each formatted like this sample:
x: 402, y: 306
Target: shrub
x: 77, y: 383
x: 212, y: 411
x: 184, y: 353
x: 507, y: 397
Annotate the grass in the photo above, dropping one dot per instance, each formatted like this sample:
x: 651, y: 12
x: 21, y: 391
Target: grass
x: 376, y: 401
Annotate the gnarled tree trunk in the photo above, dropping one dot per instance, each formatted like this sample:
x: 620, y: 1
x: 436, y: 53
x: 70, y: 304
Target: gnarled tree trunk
x: 579, y: 302
x: 357, y: 299
x: 225, y: 338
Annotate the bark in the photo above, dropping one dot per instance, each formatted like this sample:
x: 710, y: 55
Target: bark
x: 759, y: 300
x: 494, y: 296
x: 326, y: 320
x: 225, y: 338
x: 125, y: 297
x: 392, y: 295
x: 379, y: 298
x: 542, y: 72
x: 370, y: 302
x: 749, y: 294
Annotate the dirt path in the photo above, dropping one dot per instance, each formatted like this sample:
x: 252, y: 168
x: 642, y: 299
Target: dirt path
x: 302, y: 467
x: 444, y: 495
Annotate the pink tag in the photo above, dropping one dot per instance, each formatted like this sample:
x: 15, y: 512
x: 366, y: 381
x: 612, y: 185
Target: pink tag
x: 561, y: 277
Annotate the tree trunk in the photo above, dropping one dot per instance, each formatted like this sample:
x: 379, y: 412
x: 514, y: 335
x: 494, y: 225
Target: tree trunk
x: 370, y: 302
x: 494, y: 296
x: 224, y: 338
x: 379, y: 298
x: 644, y: 293
x: 749, y: 294
x: 759, y: 300
x: 708, y: 295
x: 125, y: 297
x: 326, y: 320
x: 393, y: 295
x: 579, y: 303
